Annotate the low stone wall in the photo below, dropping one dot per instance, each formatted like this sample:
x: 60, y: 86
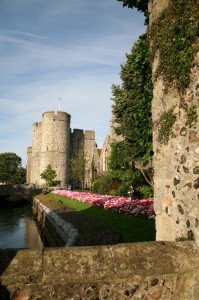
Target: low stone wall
x: 18, y: 192
x: 155, y: 270
x: 57, y: 232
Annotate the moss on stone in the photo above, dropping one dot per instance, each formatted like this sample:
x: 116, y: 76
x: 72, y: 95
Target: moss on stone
x: 174, y: 34
x: 166, y: 122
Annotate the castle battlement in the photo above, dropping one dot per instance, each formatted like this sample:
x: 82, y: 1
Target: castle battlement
x: 54, y: 143
x: 89, y: 134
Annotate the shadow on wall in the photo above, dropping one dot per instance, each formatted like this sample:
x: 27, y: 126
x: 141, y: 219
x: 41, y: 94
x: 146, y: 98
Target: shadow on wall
x: 5, y: 259
x: 4, y: 293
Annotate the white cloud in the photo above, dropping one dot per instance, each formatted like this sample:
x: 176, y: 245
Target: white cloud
x: 71, y: 50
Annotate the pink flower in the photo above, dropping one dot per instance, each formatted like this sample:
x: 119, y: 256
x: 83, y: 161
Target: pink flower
x: 115, y: 203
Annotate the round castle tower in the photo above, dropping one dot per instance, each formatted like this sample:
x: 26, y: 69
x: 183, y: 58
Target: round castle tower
x: 55, y: 146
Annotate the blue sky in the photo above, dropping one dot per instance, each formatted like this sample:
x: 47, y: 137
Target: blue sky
x: 68, y: 49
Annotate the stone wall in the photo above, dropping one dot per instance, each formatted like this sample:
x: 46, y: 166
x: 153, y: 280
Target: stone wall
x: 176, y: 162
x: 34, y: 164
x: 76, y: 141
x: 106, y: 149
x: 18, y: 192
x: 55, y: 231
x: 29, y: 163
x: 145, y: 271
x: 155, y: 8
x: 91, y: 160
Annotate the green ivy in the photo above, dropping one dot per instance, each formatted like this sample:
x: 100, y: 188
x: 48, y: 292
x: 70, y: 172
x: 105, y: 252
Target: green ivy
x: 141, y: 6
x: 174, y: 34
x: 192, y: 116
x: 166, y: 123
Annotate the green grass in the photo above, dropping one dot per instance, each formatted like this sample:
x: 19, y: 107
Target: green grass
x: 132, y: 229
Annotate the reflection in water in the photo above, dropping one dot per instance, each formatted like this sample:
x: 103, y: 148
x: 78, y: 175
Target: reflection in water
x: 18, y: 229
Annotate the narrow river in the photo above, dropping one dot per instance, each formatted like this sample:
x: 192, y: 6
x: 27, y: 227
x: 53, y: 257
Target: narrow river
x: 18, y: 229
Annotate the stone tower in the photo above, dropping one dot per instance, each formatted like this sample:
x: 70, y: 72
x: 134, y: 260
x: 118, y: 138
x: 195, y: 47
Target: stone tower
x: 55, y: 146
x: 50, y: 145
x: 53, y: 143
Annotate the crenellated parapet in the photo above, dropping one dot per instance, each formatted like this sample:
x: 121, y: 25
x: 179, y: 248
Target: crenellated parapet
x: 54, y: 143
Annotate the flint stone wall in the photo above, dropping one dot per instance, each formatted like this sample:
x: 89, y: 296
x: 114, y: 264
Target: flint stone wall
x: 154, y: 270
x: 176, y: 163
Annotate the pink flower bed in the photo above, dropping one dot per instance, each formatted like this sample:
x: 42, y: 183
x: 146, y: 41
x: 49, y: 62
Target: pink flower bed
x: 115, y: 203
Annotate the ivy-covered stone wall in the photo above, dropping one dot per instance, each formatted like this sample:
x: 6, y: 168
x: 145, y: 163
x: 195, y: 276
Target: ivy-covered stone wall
x: 174, y: 41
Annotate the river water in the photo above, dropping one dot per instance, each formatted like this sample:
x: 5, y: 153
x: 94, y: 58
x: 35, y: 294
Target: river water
x: 18, y: 229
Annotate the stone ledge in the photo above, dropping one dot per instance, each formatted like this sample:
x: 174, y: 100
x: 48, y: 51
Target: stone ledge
x: 157, y: 270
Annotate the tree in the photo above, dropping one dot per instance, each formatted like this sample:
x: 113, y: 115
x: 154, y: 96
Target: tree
x: 49, y: 176
x: 9, y: 167
x: 78, y: 164
x: 141, y: 6
x: 118, y: 158
x: 132, y: 103
x: 121, y: 167
x: 20, y: 176
x: 132, y: 110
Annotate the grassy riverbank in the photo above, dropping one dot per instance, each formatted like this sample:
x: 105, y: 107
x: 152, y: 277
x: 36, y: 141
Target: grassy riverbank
x: 95, y: 223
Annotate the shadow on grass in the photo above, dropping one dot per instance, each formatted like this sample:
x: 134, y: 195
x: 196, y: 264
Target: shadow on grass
x: 98, y: 226
x: 92, y: 232
x: 131, y: 229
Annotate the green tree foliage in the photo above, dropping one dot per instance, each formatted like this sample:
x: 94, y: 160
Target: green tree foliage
x: 132, y: 103
x: 10, y: 165
x: 122, y: 169
x: 77, y: 166
x: 101, y: 185
x: 20, y: 175
x: 118, y: 159
x: 141, y: 5
x: 49, y: 176
x: 119, y: 164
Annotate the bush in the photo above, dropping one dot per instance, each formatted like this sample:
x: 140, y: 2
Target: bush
x: 144, y: 191
x: 101, y: 185
x: 113, y: 192
x: 123, y: 189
